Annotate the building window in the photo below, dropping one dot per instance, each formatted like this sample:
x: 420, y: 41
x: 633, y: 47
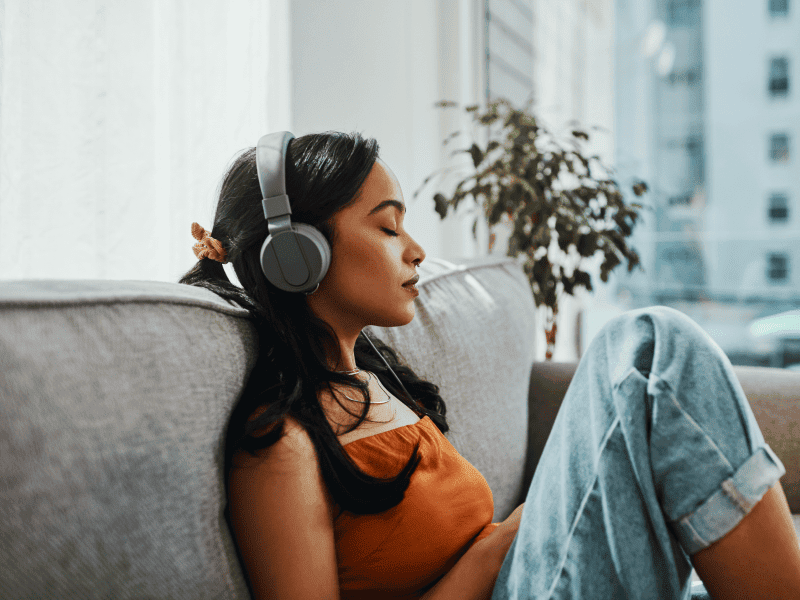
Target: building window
x: 779, y: 148
x: 687, y: 77
x: 778, y: 8
x: 683, y: 12
x: 779, y: 76
x: 778, y: 208
x: 778, y: 268
x: 683, y: 201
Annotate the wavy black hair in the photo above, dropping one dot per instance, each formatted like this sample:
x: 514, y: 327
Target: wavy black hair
x: 324, y: 173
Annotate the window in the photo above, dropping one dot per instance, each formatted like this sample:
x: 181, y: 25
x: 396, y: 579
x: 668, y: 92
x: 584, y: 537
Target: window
x: 778, y: 268
x: 779, y: 148
x: 683, y: 201
x: 683, y: 12
x: 778, y: 8
x: 779, y: 76
x: 687, y: 77
x: 778, y: 208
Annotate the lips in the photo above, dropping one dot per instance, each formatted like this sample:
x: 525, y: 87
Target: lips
x: 412, y: 281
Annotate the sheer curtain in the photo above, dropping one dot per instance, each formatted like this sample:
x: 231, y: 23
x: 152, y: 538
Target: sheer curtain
x: 117, y: 121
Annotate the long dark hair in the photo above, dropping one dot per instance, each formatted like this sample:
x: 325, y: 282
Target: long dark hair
x: 324, y: 173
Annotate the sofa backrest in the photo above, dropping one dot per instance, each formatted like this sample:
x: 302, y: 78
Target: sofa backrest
x: 114, y: 400
x: 114, y: 396
x: 473, y: 336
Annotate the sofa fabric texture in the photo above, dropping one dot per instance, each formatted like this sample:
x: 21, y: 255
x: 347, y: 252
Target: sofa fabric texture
x: 115, y: 396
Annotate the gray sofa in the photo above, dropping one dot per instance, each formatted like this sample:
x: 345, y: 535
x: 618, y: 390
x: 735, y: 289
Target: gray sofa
x: 115, y: 395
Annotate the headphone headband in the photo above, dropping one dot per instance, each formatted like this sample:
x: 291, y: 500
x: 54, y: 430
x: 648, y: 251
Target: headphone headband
x: 271, y: 159
x: 294, y: 256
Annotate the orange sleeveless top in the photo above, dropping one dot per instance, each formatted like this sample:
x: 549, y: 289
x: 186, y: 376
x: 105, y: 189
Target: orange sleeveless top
x: 404, y: 551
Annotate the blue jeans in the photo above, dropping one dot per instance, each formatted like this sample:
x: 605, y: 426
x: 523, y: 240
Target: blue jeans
x: 654, y: 455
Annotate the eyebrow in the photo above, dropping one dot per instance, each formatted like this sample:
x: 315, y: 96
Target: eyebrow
x: 396, y: 203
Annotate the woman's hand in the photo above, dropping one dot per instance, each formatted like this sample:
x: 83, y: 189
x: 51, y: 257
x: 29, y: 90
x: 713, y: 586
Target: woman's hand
x: 499, y: 541
x: 475, y: 573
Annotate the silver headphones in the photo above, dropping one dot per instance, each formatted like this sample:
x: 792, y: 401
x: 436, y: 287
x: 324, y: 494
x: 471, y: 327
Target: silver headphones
x: 295, y: 256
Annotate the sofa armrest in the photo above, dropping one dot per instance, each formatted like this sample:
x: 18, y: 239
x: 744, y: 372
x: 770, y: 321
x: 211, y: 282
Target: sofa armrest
x: 774, y: 396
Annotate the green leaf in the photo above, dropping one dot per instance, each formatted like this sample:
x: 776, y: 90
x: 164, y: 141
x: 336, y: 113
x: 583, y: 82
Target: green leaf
x: 543, y: 236
x: 564, y: 242
x: 568, y: 283
x: 440, y: 204
x: 477, y: 155
x: 587, y: 244
x: 611, y: 262
x: 584, y: 279
x: 496, y: 212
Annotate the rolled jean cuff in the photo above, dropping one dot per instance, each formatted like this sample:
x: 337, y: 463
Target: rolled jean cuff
x: 725, y: 508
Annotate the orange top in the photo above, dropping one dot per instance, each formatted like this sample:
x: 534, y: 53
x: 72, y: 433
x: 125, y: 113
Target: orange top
x: 404, y: 551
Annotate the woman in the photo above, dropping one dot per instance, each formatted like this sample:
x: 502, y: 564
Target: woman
x: 323, y: 445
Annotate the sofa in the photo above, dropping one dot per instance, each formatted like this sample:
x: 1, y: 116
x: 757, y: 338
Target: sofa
x: 115, y: 396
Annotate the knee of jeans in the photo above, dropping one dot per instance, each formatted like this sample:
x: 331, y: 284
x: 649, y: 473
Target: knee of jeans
x: 683, y: 328
x: 636, y: 332
x: 672, y: 321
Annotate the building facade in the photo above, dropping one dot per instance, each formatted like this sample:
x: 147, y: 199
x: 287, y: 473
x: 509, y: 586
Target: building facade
x: 707, y: 113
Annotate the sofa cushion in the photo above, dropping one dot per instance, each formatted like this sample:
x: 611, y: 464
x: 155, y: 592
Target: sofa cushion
x: 473, y: 336
x: 113, y: 405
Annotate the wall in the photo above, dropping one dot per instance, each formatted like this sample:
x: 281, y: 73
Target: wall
x: 378, y: 68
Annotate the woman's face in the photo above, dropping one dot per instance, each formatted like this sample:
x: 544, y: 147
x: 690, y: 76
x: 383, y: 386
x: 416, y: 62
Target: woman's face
x: 372, y: 257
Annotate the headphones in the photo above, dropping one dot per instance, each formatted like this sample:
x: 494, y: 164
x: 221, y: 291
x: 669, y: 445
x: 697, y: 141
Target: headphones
x: 295, y: 256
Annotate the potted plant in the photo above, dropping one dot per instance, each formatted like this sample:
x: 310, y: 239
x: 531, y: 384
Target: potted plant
x: 545, y: 187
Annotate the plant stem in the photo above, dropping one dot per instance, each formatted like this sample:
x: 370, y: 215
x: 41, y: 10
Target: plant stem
x: 550, y: 332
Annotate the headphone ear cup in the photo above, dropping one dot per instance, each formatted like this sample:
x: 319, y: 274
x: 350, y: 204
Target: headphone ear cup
x: 286, y: 261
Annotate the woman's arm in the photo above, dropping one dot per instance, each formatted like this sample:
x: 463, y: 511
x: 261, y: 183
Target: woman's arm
x: 471, y: 578
x: 282, y: 521
x: 474, y: 575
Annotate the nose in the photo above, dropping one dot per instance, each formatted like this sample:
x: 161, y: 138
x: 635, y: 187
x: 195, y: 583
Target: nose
x: 419, y: 254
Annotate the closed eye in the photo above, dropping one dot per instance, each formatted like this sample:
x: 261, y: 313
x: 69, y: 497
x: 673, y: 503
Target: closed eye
x: 389, y: 231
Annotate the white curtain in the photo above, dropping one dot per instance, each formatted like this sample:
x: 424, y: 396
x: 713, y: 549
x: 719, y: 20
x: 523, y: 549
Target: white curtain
x: 118, y: 119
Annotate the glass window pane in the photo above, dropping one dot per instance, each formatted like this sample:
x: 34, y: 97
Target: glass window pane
x: 778, y: 207
x: 683, y: 12
x: 778, y: 8
x: 779, y: 147
x: 778, y: 267
x: 779, y: 76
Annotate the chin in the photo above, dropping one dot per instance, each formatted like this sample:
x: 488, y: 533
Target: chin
x: 395, y: 319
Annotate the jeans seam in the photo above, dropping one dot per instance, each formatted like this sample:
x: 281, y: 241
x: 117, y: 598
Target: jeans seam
x: 674, y: 400
x: 688, y: 523
x: 743, y: 503
x: 579, y: 512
